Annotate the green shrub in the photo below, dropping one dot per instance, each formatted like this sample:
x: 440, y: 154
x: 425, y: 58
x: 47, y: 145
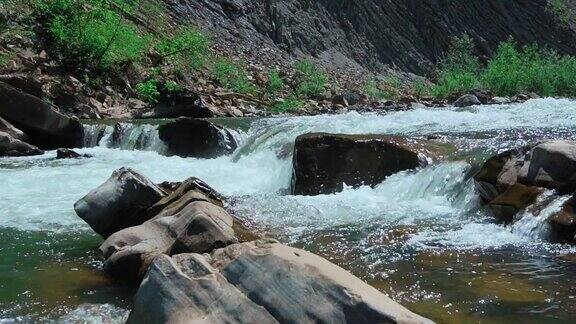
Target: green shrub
x: 92, y: 32
x: 189, y: 44
x: 311, y: 81
x: 389, y: 88
x: 173, y: 87
x: 512, y: 71
x: 5, y: 59
x: 458, y: 69
x: 275, y: 82
x: 148, y: 91
x: 290, y: 104
x: 233, y: 76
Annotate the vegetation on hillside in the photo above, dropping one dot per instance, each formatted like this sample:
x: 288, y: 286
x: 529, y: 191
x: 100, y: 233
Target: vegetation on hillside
x: 511, y: 71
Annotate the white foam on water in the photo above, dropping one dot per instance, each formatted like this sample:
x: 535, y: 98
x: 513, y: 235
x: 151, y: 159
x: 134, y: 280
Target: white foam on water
x: 38, y: 193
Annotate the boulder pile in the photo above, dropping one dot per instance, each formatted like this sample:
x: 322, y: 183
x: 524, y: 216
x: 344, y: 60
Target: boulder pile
x: 194, y: 262
x: 513, y: 180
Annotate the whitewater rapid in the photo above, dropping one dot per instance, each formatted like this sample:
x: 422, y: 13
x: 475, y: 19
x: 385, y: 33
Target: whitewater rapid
x: 381, y: 233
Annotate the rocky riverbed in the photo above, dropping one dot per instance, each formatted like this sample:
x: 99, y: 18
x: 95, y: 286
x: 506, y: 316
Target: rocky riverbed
x: 422, y: 234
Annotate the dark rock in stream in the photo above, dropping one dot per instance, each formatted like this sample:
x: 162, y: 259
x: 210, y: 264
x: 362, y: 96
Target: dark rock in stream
x: 69, y: 154
x: 259, y: 282
x: 45, y: 126
x: 189, y: 137
x: 10, y: 146
x: 119, y: 202
x: 323, y: 163
x: 14, y: 132
x: 467, y: 101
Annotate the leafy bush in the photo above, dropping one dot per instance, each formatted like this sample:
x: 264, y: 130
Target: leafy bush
x: 92, y: 31
x: 389, y: 88
x: 514, y: 71
x: 312, y: 81
x: 189, y: 44
x: 275, y: 82
x: 458, y: 70
x: 148, y: 91
x: 290, y: 104
x: 233, y: 76
x: 173, y: 87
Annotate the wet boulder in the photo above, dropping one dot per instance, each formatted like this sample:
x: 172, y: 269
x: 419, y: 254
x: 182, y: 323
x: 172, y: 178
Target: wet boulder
x: 563, y: 222
x: 514, y: 199
x: 189, y: 137
x: 323, y: 163
x: 467, y: 101
x: 187, y: 225
x: 189, y: 219
x: 259, y: 282
x: 14, y: 132
x: 499, y: 173
x: 118, y: 203
x: 70, y: 154
x: 9, y: 146
x: 46, y: 127
x: 551, y: 165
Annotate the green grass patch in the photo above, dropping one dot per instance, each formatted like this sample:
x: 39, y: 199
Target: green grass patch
x: 233, y: 76
x: 289, y: 104
x: 275, y: 83
x: 511, y: 71
x: 311, y: 80
x: 148, y: 91
x: 563, y: 11
x: 189, y: 45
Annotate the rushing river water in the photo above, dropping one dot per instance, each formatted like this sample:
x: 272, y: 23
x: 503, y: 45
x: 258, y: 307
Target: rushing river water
x: 421, y: 237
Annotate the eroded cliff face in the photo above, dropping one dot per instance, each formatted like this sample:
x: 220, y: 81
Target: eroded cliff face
x: 410, y: 35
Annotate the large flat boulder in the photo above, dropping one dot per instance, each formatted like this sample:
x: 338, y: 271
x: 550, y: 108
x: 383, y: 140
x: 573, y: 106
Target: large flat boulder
x: 323, y: 162
x: 118, y: 203
x: 9, y: 146
x: 189, y: 137
x: 259, y: 282
x: 46, y: 127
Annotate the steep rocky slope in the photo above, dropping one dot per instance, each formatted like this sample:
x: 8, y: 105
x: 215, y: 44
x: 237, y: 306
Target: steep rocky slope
x: 410, y: 35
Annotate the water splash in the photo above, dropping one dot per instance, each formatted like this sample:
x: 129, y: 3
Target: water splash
x: 533, y: 222
x: 125, y: 136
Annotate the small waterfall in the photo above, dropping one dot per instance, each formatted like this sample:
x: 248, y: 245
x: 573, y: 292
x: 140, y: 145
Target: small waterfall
x: 534, y: 220
x: 125, y: 136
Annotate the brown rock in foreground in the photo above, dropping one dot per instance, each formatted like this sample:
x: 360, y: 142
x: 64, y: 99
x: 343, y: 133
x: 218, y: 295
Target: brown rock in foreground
x: 259, y: 282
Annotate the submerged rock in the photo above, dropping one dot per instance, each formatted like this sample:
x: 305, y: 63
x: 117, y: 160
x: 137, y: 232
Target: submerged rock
x: 9, y: 146
x: 119, y: 202
x: 323, y: 163
x: 259, y: 282
x: 467, y: 101
x: 189, y: 137
x: 46, y: 127
x: 70, y: 154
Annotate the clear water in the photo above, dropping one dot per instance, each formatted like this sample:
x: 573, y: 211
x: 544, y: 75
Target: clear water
x: 420, y: 237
